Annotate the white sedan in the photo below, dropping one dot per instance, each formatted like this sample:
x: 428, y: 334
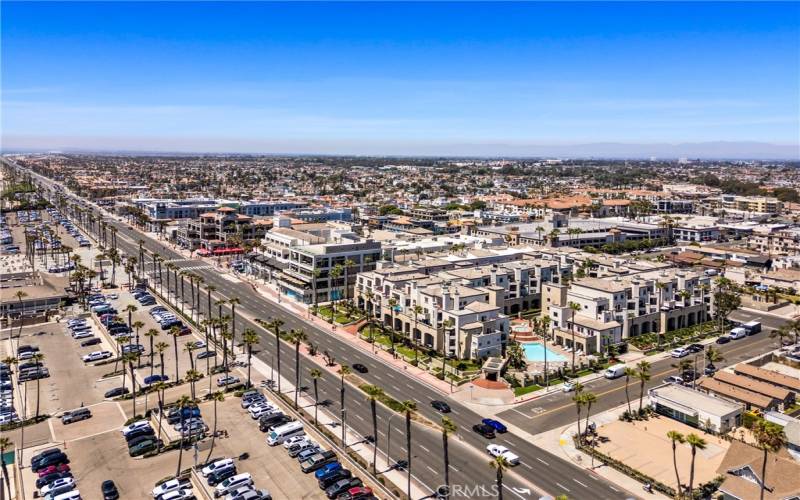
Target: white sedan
x: 214, y: 466
x: 229, y: 380
x: 497, y: 450
x: 96, y: 356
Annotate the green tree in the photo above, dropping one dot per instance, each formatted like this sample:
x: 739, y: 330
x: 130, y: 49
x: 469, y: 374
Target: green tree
x: 770, y: 438
x: 216, y: 397
x: 643, y: 374
x: 316, y: 374
x: 373, y: 394
x: 448, y: 427
x: 297, y: 338
x: 408, y: 407
x: 676, y: 438
x: 696, y: 443
x: 499, y: 464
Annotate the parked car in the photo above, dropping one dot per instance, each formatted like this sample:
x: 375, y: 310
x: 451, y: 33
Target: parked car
x: 152, y: 379
x: 332, y: 476
x: 206, y: 354
x: 227, y: 380
x: 217, y: 477
x: 232, y: 483
x: 327, y: 469
x: 360, y: 368
x: 680, y: 352
x: 116, y: 392
x: 723, y: 339
x: 167, y: 486
x: 96, y: 356
x: 673, y: 379
x: 357, y: 493
x: 143, y: 447
x: 139, y: 424
x: 91, y: 341
x: 341, y: 486
x: 53, y: 469
x: 77, y: 415
x: 49, y: 478
x: 54, y: 459
x: 317, y: 461
x: 216, y: 465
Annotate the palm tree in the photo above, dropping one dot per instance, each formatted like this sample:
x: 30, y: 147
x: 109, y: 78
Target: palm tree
x: 448, y: 427
x: 373, y: 394
x: 408, y: 407
x: 579, y: 400
x: 216, y: 397
x: 676, y: 437
x: 315, y: 274
x: 37, y: 358
x: 417, y: 310
x: 589, y: 398
x: 629, y: 372
x: 713, y: 355
x: 334, y: 275
x: 344, y: 371
x: 234, y: 301
x: 276, y: 325
x: 175, y: 332
x: 160, y: 348
x: 315, y: 376
x: 182, y: 403
x: 5, y: 443
x: 130, y: 309
x: 643, y: 374
x: 499, y: 464
x: 660, y: 296
x: 159, y: 387
x: 249, y: 339
x: 19, y: 295
x: 151, y: 335
x: 129, y: 359
x: 193, y: 376
x: 348, y: 263
x: 770, y: 438
x: 392, y: 303
x: 697, y: 443
x: 575, y: 308
x: 297, y: 338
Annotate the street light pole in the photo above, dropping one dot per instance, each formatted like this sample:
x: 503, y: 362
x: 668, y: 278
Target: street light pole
x: 389, y: 440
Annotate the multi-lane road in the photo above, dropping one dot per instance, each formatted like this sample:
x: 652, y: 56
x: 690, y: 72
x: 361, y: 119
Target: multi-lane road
x: 540, y: 473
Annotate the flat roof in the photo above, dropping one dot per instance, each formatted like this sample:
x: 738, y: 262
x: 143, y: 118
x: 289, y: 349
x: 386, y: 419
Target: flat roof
x: 690, y: 398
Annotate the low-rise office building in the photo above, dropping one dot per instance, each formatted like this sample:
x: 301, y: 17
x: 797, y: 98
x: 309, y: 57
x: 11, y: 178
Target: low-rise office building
x: 695, y: 408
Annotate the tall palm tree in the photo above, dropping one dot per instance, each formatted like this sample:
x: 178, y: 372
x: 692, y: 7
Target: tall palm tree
x: 696, y: 443
x: 589, y: 398
x: 315, y: 373
x: 276, y: 325
x: 643, y: 374
x: 448, y: 427
x: 192, y: 376
x: 19, y: 295
x: 182, y: 403
x: 249, y: 339
x: 417, y: 310
x: 233, y: 302
x: 579, y: 400
x: 770, y: 438
x: 676, y: 437
x: 629, y: 372
x: 37, y: 358
x: 334, y: 275
x: 5, y: 443
x: 160, y: 348
x: 175, y: 332
x: 129, y: 359
x: 130, y: 309
x: 344, y: 371
x: 373, y: 394
x: 499, y: 464
x: 216, y: 397
x: 392, y: 303
x: 575, y: 307
x: 159, y: 387
x: 298, y: 337
x: 315, y: 274
x: 408, y: 407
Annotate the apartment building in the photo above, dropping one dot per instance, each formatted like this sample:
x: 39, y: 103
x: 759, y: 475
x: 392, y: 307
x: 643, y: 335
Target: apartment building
x: 613, y: 309
x: 175, y: 209
x: 759, y: 204
x: 223, y: 228
x: 784, y: 241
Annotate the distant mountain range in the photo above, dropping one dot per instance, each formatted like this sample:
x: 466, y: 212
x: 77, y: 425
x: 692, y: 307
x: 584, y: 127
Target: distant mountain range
x: 723, y: 150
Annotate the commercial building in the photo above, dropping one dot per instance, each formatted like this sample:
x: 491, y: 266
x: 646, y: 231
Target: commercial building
x: 695, y: 408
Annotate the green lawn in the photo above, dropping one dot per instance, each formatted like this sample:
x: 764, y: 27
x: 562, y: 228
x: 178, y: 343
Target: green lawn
x: 340, y: 317
x: 521, y: 391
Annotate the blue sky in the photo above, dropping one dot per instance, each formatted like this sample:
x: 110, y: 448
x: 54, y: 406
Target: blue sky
x: 396, y: 78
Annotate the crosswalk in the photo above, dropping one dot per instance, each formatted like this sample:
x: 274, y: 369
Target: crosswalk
x: 196, y: 267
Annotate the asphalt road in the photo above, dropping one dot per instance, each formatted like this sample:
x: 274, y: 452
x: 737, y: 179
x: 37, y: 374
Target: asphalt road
x: 540, y: 473
x: 558, y: 409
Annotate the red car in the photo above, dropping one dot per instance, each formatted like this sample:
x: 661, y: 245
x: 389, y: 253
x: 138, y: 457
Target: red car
x: 357, y: 492
x: 53, y: 468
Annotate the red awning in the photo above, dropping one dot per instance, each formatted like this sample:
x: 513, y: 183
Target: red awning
x: 228, y: 251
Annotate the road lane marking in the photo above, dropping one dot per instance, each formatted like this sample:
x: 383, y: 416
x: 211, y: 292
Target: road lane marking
x: 613, y: 488
x: 508, y: 442
x: 431, y: 469
x: 526, y: 465
x: 562, y: 487
x: 426, y: 449
x: 512, y: 490
x: 454, y: 468
x: 539, y: 459
x: 579, y: 482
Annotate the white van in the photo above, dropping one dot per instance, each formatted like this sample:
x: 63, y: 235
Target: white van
x: 738, y: 333
x: 280, y: 434
x: 232, y: 483
x: 615, y: 371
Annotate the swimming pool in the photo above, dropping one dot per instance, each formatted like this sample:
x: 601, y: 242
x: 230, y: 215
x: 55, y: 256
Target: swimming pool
x: 534, y: 351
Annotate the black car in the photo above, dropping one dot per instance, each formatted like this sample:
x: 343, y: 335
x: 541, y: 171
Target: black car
x: 710, y: 370
x: 360, y: 368
x: 335, y: 476
x: 92, y: 341
x: 44, y: 454
x: 54, y: 459
x: 45, y: 480
x: 723, y: 340
x: 139, y: 439
x: 342, y: 486
x: 109, y: 490
x: 117, y: 391
x: 484, y: 430
x: 206, y: 354
x: 695, y: 348
x: 271, y: 422
x: 441, y: 406
x: 689, y: 375
x: 217, y: 477
x: 137, y: 433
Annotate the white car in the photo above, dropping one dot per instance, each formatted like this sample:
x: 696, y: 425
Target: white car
x: 295, y: 440
x: 82, y: 334
x: 96, y: 356
x: 215, y: 466
x: 141, y: 424
x: 199, y: 344
x: 183, y: 494
x: 166, y: 487
x: 233, y: 483
x: 58, y: 484
x: 568, y: 386
x: 680, y: 352
x: 497, y: 450
x: 112, y: 296
x: 260, y: 411
x: 229, y: 380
